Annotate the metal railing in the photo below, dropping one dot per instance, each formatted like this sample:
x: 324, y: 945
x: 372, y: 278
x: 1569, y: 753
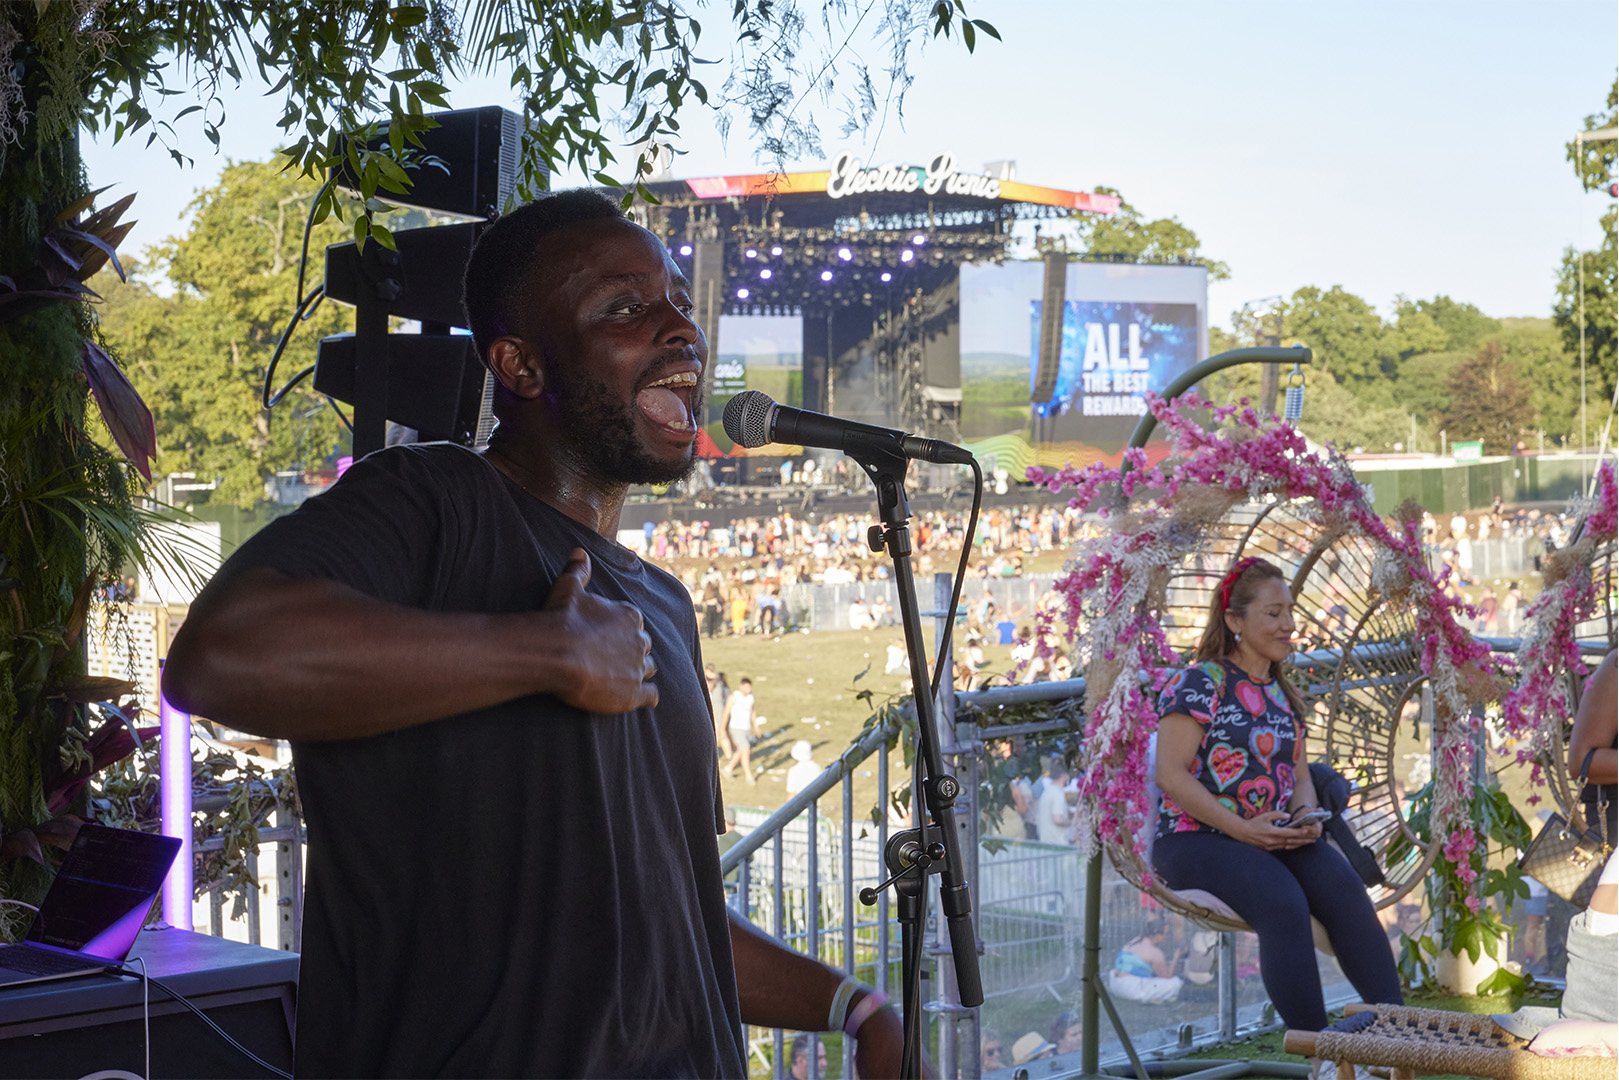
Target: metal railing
x: 796, y: 873
x: 289, y: 839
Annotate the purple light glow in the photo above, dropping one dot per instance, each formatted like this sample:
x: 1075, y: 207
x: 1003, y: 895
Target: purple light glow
x: 174, y: 773
x: 826, y: 275
x: 742, y: 294
x: 887, y: 276
x: 685, y: 249
x: 905, y: 256
x: 765, y: 274
x: 845, y: 254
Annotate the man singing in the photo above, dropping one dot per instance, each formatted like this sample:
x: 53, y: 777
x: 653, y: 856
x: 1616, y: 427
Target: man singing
x: 503, y: 741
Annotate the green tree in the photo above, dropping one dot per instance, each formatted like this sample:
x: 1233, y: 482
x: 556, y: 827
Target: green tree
x: 1597, y: 316
x: 1345, y: 333
x: 67, y: 512
x: 1128, y: 235
x: 1550, y: 372
x: 199, y: 355
x: 1488, y: 401
x: 1332, y: 414
x: 1437, y: 325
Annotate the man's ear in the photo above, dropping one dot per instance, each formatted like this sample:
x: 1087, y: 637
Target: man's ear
x: 517, y: 366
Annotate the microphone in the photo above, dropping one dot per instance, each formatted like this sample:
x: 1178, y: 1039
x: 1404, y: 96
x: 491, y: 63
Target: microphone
x: 752, y: 419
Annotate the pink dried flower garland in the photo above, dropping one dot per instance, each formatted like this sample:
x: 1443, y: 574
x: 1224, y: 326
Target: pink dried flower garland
x: 1537, y: 707
x: 1111, y: 578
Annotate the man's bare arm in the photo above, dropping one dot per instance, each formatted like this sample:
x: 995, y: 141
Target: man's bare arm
x: 779, y: 987
x: 310, y: 659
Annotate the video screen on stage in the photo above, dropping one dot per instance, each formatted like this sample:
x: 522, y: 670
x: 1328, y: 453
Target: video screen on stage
x: 755, y: 352
x: 1126, y: 329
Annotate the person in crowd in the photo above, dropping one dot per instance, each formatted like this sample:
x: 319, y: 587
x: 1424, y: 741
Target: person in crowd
x: 1052, y: 816
x: 1489, y: 610
x: 742, y: 725
x: 1233, y: 768
x: 989, y: 1051
x: 1594, y: 740
x: 718, y: 694
x: 1067, y: 1032
x: 1141, y: 972
x: 713, y: 608
x: 740, y: 601
x: 804, y: 769
x: 449, y: 636
x: 897, y: 661
x: 798, y: 1057
x: 1032, y: 1046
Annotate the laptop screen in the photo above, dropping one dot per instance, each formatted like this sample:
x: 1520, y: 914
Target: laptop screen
x: 103, y: 891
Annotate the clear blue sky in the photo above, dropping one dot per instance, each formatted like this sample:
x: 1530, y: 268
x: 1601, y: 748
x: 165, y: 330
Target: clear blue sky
x: 1411, y: 147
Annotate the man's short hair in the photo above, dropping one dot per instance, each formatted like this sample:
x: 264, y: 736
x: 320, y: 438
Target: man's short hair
x: 501, y: 268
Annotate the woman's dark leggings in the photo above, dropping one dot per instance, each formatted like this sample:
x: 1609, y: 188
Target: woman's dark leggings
x: 1276, y: 892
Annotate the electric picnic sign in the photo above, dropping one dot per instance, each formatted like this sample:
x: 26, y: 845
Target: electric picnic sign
x: 848, y: 178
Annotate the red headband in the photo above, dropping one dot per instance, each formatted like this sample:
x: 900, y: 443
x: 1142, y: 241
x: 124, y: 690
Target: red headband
x: 1232, y: 576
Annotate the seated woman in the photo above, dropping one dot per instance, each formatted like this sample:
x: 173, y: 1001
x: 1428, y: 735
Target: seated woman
x: 1232, y: 766
x: 1141, y: 972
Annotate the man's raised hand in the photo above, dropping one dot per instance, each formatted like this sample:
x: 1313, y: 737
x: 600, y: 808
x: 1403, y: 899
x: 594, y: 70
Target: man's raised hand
x: 603, y: 646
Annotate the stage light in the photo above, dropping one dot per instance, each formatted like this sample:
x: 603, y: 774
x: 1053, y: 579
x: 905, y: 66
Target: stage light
x: 845, y: 254
x: 775, y: 250
x: 174, y: 776
x: 685, y: 249
x: 887, y: 276
x: 752, y: 253
x: 919, y: 239
x: 826, y: 275
x: 764, y: 274
x: 905, y: 256
x: 742, y: 294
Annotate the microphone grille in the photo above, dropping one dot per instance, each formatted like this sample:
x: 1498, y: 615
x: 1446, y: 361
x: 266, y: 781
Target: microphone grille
x: 747, y: 418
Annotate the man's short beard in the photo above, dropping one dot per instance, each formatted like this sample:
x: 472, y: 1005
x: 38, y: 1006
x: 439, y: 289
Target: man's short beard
x: 603, y: 430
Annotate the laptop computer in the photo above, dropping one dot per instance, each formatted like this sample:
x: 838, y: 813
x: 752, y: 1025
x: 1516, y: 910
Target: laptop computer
x: 89, y: 919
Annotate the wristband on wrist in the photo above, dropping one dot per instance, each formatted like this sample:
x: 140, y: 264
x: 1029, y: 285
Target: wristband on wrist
x: 862, y: 1011
x: 840, y: 1003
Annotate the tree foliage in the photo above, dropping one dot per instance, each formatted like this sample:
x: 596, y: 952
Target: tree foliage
x: 1488, y: 401
x: 1128, y: 235
x: 198, y: 350
x: 1386, y: 384
x: 1594, y: 166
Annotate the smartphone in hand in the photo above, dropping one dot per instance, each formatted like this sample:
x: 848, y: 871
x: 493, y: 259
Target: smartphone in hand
x: 1308, y: 816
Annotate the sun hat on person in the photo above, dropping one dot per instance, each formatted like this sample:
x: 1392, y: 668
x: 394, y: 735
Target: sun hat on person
x: 1030, y: 1046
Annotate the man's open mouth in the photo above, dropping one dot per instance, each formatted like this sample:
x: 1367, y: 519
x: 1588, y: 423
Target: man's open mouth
x: 668, y: 402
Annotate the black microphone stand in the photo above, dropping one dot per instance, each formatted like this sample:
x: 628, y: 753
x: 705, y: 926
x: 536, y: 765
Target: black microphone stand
x: 912, y: 854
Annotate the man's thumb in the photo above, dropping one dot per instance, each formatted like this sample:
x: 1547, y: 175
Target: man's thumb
x: 573, y: 579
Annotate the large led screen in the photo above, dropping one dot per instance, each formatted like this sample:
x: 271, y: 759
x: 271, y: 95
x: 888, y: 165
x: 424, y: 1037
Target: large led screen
x: 755, y: 352
x: 1126, y: 329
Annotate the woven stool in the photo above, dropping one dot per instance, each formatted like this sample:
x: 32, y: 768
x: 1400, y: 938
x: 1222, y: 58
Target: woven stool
x: 1423, y: 1041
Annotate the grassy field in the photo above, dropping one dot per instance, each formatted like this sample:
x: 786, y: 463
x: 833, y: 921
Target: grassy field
x: 805, y: 687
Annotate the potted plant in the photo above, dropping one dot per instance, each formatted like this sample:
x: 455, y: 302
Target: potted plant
x: 1469, y: 955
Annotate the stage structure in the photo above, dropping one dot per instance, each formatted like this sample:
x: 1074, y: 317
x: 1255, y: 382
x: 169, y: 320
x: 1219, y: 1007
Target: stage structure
x: 842, y: 291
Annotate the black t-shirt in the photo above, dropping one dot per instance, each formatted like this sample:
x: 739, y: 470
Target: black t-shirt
x: 525, y: 890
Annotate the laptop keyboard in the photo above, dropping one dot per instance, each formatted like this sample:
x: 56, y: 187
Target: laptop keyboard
x: 39, y: 961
